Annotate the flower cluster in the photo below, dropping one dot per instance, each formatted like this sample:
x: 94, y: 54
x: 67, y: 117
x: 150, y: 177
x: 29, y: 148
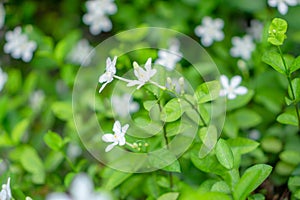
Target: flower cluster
x: 96, y: 16
x: 80, y: 53
x: 81, y: 188
x: 5, y: 193
x: 18, y: 45
x: 282, y: 5
x: 242, y: 47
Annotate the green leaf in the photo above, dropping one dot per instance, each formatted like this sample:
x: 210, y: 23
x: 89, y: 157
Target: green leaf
x: 172, y: 110
x: 295, y: 65
x: 290, y: 156
x: 242, y: 145
x: 209, y: 138
x: 273, y: 59
x: 271, y: 144
x: 239, y: 101
x: 277, y: 31
x: 284, y: 169
x: 32, y: 163
x: 288, y: 117
x: 169, y: 196
x: 19, y: 131
x: 115, y: 179
x: 207, y: 91
x: 296, y: 90
x: 246, y: 118
x: 221, y: 186
x: 294, y: 183
x: 174, y: 167
x: 53, y: 140
x: 224, y: 154
x: 250, y: 180
x: 62, y: 110
x: 149, y: 104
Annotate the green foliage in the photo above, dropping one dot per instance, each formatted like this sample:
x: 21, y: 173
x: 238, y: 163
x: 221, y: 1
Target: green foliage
x: 277, y: 31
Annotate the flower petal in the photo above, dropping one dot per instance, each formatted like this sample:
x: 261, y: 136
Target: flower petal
x: 231, y: 95
x: 122, y: 141
x: 235, y: 81
x: 148, y: 64
x: 110, y: 147
x: 117, y: 127
x: 282, y: 8
x: 81, y: 187
x: 124, y: 128
x: 224, y: 81
x: 108, y: 137
x: 241, y: 90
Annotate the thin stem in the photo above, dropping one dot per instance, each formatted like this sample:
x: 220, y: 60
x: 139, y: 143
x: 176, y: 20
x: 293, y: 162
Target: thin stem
x: 288, y: 76
x: 122, y: 79
x: 156, y: 84
x: 69, y: 161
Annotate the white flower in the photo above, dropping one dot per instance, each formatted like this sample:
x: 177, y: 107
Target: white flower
x: 96, y: 16
x: 80, y: 54
x: 108, y: 76
x: 210, y: 30
x: 2, y: 15
x: 124, y: 105
x: 73, y: 150
x: 282, y: 5
x: 169, y: 58
x: 5, y: 193
x: 255, y: 29
x: 232, y: 89
x: 36, y: 99
x: 3, y: 79
x: 18, y: 45
x: 142, y: 75
x: 81, y: 188
x: 242, y: 47
x: 118, y: 138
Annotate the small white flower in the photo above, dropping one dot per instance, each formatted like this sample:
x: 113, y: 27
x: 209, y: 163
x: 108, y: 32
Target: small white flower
x: 36, y: 99
x: 81, y: 188
x: 3, y: 79
x: 73, y: 151
x: 124, y: 105
x: 282, y: 5
x: 108, y: 76
x: 28, y: 198
x: 242, y: 47
x: 5, y: 193
x: 142, y: 75
x: 118, y: 138
x: 232, y: 89
x: 18, y: 45
x: 255, y: 29
x: 96, y: 16
x: 80, y: 54
x: 2, y: 15
x: 210, y: 30
x: 169, y: 58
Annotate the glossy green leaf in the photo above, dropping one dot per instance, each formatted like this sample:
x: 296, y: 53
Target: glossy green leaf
x: 242, y: 145
x: 250, y: 180
x: 209, y: 137
x: 224, y: 154
x: 277, y: 31
x: 273, y: 59
x: 53, y: 140
x: 172, y: 110
x: 207, y: 91
x: 169, y: 196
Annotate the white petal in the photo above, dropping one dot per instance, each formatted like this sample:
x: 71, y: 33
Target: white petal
x: 241, y: 90
x: 110, y: 147
x: 235, y: 81
x: 206, y: 41
x: 133, y: 83
x: 117, y: 127
x: 282, y: 8
x: 223, y: 92
x: 81, y: 187
x: 231, y: 96
x: 148, y: 64
x: 108, y: 63
x: 124, y: 128
x: 108, y: 138
x: 272, y: 3
x: 102, y: 87
x: 224, y: 81
x: 291, y: 2
x: 122, y: 141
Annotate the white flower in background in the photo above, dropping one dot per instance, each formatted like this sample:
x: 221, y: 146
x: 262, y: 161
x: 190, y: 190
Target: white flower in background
x: 18, y: 45
x: 73, y: 150
x: 3, y: 79
x: 255, y: 29
x: 254, y: 134
x: 210, y: 30
x: 124, y: 105
x: 175, y: 84
x: 96, y: 16
x: 282, y: 5
x: 118, y: 138
x: 80, y: 53
x: 231, y: 88
x: 142, y: 75
x: 108, y: 76
x: 2, y: 15
x: 36, y: 99
x: 28, y: 198
x: 5, y: 193
x: 169, y: 58
x: 242, y: 47
x: 81, y: 188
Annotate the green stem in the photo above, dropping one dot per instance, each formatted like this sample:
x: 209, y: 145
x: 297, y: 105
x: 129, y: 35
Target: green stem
x: 288, y: 76
x: 69, y: 161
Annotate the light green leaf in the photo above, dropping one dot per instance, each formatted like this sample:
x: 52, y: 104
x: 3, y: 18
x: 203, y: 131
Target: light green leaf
x: 277, y: 31
x: 115, y: 179
x: 149, y: 104
x: 288, y: 117
x: 32, y: 163
x: 294, y: 183
x: 224, y: 154
x: 242, y: 145
x: 209, y: 138
x: 19, y: 131
x: 290, y: 156
x: 271, y: 144
x: 62, y: 110
x: 221, y: 186
x: 273, y: 59
x: 174, y: 167
x: 295, y: 65
x: 284, y: 169
x: 172, y: 110
x: 207, y: 91
x: 250, y: 180
x: 239, y: 101
x: 53, y: 140
x: 296, y: 90
x: 246, y: 118
x: 169, y: 196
